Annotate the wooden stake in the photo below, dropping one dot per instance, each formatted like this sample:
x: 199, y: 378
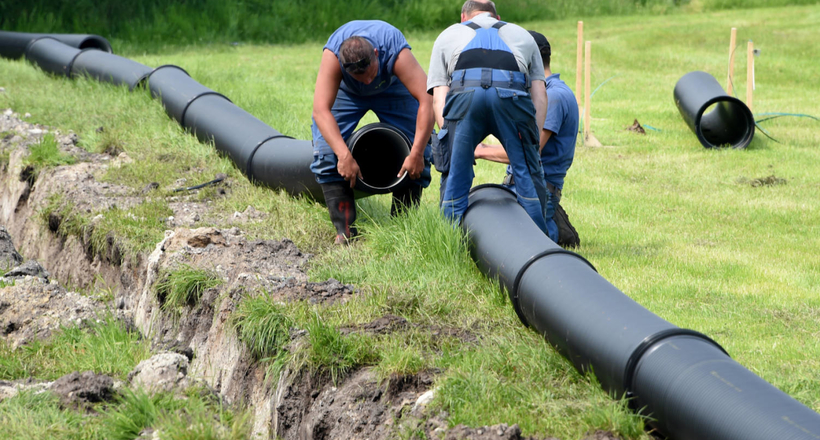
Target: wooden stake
x: 589, y: 138
x: 732, y: 44
x: 578, y: 62
x: 750, y: 74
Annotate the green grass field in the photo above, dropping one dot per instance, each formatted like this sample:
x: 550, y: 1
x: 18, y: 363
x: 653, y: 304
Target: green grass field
x: 683, y: 230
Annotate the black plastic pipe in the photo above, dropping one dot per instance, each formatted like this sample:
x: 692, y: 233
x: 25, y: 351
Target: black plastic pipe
x: 13, y: 44
x: 107, y: 67
x: 55, y: 57
x: 716, y: 118
x: 685, y: 382
x: 380, y: 150
x: 51, y: 55
x: 177, y: 90
x: 682, y: 379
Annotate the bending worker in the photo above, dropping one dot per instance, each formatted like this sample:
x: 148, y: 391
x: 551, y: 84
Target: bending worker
x: 558, y: 136
x: 486, y: 77
x: 367, y: 65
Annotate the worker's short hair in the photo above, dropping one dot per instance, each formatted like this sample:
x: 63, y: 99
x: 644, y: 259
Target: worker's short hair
x: 356, y: 54
x: 476, y: 5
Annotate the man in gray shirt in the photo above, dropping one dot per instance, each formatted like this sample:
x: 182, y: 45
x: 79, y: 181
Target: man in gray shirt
x: 487, y: 77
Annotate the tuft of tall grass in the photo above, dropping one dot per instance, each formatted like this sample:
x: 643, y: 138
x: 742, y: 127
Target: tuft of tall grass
x: 134, y: 411
x: 30, y: 415
x: 203, y: 416
x: 138, y: 229
x: 264, y: 327
x: 183, y: 286
x: 46, y: 153
x: 105, y: 347
x: 331, y: 352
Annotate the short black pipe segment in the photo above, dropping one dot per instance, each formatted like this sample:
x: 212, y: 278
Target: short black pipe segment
x: 107, y: 67
x: 177, y: 90
x: 51, y: 55
x: 13, y: 44
x: 380, y: 150
x: 717, y: 119
x: 666, y: 371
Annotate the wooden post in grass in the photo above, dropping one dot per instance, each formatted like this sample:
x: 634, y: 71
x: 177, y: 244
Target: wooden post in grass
x: 578, y: 62
x: 732, y: 43
x: 587, y: 62
x: 750, y: 74
x: 589, y: 138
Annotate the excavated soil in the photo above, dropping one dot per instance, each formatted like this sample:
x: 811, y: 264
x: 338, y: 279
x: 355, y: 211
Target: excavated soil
x: 298, y: 405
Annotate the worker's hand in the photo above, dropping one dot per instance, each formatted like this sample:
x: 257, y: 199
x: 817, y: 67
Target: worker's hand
x: 413, y: 165
x: 349, y: 169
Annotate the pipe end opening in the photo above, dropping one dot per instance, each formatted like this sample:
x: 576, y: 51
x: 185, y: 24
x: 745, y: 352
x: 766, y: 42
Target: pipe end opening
x: 380, y: 151
x: 726, y: 122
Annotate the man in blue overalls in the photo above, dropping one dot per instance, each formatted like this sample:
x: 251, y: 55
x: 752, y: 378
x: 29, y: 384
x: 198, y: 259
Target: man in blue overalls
x: 487, y: 77
x: 367, y: 65
x: 558, y: 137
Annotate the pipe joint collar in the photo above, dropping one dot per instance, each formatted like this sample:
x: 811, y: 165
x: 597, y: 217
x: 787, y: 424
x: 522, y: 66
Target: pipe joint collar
x: 533, y: 259
x: 647, y: 343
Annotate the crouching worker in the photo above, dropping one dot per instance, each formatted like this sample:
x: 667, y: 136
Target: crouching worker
x: 486, y: 77
x: 558, y: 136
x: 367, y: 65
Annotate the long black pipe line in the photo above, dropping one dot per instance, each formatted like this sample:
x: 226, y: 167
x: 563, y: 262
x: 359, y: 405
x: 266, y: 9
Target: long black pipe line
x: 684, y: 381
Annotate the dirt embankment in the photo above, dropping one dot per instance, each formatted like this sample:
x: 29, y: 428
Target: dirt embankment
x: 296, y: 406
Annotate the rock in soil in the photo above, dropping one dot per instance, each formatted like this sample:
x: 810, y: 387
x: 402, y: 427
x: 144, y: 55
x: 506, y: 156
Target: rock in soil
x: 82, y: 389
x: 9, y: 257
x: 32, y: 309
x: 162, y: 372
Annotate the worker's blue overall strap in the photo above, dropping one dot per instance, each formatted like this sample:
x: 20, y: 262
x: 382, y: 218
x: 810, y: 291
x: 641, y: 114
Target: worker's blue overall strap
x: 487, y: 61
x: 486, y: 49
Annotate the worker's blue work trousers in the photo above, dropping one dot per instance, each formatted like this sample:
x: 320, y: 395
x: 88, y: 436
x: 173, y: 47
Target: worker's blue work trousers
x: 471, y: 114
x: 395, y: 106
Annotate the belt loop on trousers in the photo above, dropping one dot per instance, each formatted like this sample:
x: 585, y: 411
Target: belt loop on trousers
x: 486, y: 78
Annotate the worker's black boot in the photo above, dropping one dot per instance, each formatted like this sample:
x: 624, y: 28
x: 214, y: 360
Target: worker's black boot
x: 567, y: 235
x: 342, y: 207
x: 407, y: 197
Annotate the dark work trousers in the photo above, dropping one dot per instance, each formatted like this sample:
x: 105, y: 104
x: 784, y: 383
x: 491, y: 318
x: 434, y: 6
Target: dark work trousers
x: 473, y: 113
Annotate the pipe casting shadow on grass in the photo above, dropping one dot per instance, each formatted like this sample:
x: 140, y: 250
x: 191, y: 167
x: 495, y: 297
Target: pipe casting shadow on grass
x: 716, y: 118
x: 682, y: 380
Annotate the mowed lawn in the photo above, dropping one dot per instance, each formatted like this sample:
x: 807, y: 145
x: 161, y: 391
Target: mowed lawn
x: 706, y: 239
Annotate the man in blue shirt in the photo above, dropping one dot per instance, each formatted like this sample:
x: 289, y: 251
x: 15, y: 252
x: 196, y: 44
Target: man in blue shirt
x: 557, y: 147
x: 367, y: 65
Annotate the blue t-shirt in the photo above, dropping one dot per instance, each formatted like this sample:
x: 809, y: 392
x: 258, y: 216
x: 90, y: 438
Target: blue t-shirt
x: 383, y: 36
x: 562, y: 121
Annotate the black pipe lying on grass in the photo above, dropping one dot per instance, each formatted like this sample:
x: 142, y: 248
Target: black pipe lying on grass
x: 266, y: 156
x: 716, y: 118
x: 684, y: 381
x: 13, y: 44
x: 56, y: 57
